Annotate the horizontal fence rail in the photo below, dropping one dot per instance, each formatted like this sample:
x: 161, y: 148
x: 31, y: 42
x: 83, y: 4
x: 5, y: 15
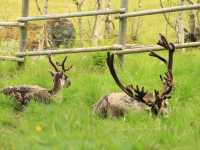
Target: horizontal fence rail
x: 11, y: 24
x: 11, y: 58
x: 144, y: 49
x: 159, y: 11
x: 122, y: 48
x: 69, y: 51
x: 115, y: 49
x: 71, y: 15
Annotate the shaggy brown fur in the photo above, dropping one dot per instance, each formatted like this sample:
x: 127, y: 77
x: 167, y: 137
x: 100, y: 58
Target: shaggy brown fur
x: 135, y: 98
x: 24, y: 93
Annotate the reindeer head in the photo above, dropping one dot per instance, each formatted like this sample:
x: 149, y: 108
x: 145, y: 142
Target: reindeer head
x: 157, y: 100
x: 59, y: 74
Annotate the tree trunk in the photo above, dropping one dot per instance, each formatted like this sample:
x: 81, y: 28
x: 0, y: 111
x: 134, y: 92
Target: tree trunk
x: 197, y: 14
x: 180, y: 25
x: 136, y: 24
x: 79, y: 9
x: 109, y: 25
x: 43, y: 42
x: 45, y: 39
x: 79, y: 4
x: 98, y: 28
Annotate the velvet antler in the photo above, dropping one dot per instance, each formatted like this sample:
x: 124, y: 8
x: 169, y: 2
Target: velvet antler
x: 110, y: 63
x: 134, y: 92
x: 63, y: 65
x: 57, y: 64
x: 167, y: 80
x: 52, y: 63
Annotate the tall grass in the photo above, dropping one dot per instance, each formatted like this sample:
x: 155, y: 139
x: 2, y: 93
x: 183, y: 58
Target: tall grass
x: 70, y: 124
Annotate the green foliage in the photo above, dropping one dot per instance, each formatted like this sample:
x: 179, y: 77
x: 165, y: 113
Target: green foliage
x: 99, y: 60
x: 71, y: 123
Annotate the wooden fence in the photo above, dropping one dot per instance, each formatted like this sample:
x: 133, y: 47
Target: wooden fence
x: 120, y: 48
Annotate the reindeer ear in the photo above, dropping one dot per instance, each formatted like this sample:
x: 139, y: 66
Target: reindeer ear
x: 52, y: 73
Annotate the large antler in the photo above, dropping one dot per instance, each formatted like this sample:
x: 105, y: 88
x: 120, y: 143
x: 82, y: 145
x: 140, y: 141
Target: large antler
x: 110, y: 63
x: 168, y: 78
x: 63, y: 65
x: 52, y: 63
x: 135, y: 92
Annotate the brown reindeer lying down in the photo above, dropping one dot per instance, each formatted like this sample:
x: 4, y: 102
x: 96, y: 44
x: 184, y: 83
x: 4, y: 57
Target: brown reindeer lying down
x: 135, y: 98
x: 24, y: 93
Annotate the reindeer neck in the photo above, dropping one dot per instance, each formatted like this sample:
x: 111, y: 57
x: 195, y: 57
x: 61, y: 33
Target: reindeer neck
x: 56, y: 87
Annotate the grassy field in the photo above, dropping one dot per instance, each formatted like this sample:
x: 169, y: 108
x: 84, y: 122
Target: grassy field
x: 70, y: 124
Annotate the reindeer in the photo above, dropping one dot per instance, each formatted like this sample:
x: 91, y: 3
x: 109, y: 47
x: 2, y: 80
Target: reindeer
x: 136, y: 98
x: 24, y: 93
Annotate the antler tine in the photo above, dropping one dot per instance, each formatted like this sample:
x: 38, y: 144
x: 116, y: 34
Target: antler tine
x: 169, y: 75
x: 170, y: 62
x: 153, y: 54
x: 52, y: 63
x: 167, y: 79
x: 163, y: 42
x: 170, y: 46
x: 64, y: 60
x: 63, y: 65
x: 140, y: 93
x: 110, y: 63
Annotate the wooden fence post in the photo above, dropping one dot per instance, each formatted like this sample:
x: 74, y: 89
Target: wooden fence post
x: 23, y: 29
x: 122, y: 30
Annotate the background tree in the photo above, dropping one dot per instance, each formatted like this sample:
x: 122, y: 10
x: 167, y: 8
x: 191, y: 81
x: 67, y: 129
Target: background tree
x: 136, y: 23
x: 180, y: 25
x: 43, y: 42
x: 98, y: 27
x: 79, y: 4
x: 109, y: 25
x: 184, y: 33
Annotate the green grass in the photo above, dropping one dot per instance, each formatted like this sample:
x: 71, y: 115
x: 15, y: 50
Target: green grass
x: 70, y: 124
